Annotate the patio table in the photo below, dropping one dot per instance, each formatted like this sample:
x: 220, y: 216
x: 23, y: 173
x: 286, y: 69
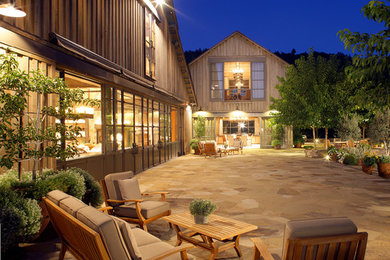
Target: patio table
x: 219, y: 228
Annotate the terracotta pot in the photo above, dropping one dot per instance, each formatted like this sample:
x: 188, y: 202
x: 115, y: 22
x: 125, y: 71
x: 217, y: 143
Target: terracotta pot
x: 197, y: 151
x: 278, y: 147
x: 298, y: 145
x: 360, y: 162
x: 367, y: 169
x: 384, y: 170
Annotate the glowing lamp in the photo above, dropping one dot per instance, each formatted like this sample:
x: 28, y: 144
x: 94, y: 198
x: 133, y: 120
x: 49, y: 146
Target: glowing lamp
x: 8, y: 8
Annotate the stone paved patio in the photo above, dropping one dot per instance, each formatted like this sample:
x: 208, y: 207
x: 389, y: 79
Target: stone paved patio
x: 269, y: 187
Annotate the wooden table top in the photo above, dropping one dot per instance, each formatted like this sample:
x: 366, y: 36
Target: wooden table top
x: 217, y: 227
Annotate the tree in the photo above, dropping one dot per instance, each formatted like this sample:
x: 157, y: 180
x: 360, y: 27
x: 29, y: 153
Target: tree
x: 371, y: 64
x: 379, y: 130
x: 200, y: 126
x: 313, y: 94
x: 26, y: 136
x: 348, y: 128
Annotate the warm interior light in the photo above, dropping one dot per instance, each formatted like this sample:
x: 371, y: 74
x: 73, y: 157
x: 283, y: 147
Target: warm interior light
x: 10, y: 10
x: 160, y: 2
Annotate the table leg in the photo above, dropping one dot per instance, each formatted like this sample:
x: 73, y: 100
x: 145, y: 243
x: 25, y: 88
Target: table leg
x: 178, y: 234
x: 236, y: 240
x: 213, y: 248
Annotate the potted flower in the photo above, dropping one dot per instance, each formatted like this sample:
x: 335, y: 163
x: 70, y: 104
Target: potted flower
x: 383, y: 163
x: 368, y: 164
x: 201, y: 209
x: 194, y: 146
x: 277, y: 144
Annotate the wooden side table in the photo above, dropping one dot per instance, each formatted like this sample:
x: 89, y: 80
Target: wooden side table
x: 218, y: 228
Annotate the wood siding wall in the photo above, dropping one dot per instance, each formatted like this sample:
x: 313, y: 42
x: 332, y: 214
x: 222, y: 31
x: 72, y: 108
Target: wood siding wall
x: 113, y: 29
x: 236, y: 46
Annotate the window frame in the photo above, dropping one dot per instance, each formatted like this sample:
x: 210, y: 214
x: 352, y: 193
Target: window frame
x: 151, y: 49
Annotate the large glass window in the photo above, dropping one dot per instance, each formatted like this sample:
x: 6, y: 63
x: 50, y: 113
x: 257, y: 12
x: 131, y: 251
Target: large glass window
x: 150, y: 60
x: 258, y: 80
x: 90, y: 122
x: 239, y: 127
x: 237, y: 81
x: 216, y: 81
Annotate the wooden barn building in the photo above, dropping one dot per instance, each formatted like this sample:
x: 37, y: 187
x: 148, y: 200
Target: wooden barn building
x: 234, y: 81
x: 127, y: 54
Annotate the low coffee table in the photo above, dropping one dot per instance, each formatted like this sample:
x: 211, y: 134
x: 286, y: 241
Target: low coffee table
x: 219, y: 228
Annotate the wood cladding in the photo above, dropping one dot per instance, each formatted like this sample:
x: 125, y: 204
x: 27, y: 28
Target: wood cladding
x: 113, y: 29
x: 236, y: 47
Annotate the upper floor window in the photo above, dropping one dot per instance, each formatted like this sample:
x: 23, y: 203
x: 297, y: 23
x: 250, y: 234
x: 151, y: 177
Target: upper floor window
x: 150, y: 47
x: 237, y: 81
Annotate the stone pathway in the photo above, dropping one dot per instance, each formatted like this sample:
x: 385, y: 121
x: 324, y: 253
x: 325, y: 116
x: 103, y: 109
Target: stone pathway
x: 267, y: 188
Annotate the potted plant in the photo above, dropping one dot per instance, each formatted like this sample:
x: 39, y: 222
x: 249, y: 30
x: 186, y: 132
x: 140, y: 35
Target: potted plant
x: 332, y: 152
x: 383, y: 163
x: 194, y: 146
x: 368, y: 164
x: 298, y: 140
x: 277, y: 144
x: 201, y: 209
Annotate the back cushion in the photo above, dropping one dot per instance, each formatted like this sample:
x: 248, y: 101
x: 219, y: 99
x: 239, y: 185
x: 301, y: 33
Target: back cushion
x: 112, y: 184
x: 108, y: 230
x: 56, y: 196
x: 318, y: 227
x: 129, y: 238
x: 129, y: 189
x: 72, y: 205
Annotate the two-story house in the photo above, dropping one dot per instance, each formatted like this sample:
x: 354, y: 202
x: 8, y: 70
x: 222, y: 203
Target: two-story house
x: 234, y: 81
x: 125, y: 53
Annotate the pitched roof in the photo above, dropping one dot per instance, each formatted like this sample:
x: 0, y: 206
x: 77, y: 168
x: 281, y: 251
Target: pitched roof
x: 234, y: 34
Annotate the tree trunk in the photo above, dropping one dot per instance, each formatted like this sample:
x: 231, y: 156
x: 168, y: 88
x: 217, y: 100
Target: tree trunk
x: 326, y: 138
x: 314, y: 137
x: 364, y: 132
x: 37, y: 144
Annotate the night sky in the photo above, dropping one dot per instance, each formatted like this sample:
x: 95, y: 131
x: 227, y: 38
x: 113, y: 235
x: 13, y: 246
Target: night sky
x: 278, y: 25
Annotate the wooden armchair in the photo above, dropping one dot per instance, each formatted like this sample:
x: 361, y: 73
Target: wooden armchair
x: 336, y: 239
x: 122, y: 193
x: 201, y: 148
x: 210, y: 148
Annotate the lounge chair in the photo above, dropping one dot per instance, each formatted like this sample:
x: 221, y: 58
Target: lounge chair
x: 330, y: 238
x: 236, y: 146
x: 210, y: 148
x: 122, y: 192
x: 88, y: 233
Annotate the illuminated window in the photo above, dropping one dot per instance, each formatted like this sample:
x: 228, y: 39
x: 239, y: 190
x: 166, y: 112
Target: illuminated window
x: 150, y: 47
x: 90, y: 122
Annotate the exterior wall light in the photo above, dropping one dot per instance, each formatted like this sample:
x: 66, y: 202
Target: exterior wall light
x: 7, y: 8
x: 160, y: 2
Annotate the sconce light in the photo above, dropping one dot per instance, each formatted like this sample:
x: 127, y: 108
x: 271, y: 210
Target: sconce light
x: 7, y: 8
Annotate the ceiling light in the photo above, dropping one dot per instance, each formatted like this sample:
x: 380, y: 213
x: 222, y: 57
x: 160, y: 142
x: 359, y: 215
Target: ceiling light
x: 160, y: 2
x: 9, y: 9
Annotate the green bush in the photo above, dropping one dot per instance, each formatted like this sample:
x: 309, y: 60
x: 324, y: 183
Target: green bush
x: 308, y: 147
x: 297, y: 137
x: 276, y: 142
x: 332, y: 150
x: 20, y: 218
x: 93, y: 194
x: 194, y: 143
x: 351, y: 159
x: 383, y: 159
x: 202, y: 207
x: 369, y: 160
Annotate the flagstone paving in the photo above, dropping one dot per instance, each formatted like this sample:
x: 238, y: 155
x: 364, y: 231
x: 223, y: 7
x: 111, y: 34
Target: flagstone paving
x: 267, y: 188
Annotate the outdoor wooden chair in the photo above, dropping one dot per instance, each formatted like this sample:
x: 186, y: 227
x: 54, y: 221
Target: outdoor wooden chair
x: 201, y: 148
x: 331, y: 238
x: 122, y: 193
x: 210, y: 148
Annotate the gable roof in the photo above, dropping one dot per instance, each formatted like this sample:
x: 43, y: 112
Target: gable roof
x: 234, y: 34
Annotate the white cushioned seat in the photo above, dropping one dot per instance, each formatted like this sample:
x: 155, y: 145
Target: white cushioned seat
x: 148, y: 209
x: 72, y: 205
x: 108, y: 230
x: 56, y: 196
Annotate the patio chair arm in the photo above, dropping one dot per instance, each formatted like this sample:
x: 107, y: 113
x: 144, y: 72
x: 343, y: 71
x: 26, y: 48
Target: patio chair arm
x: 162, y: 193
x: 123, y: 201
x: 182, y: 248
x: 261, y: 250
x: 105, y: 209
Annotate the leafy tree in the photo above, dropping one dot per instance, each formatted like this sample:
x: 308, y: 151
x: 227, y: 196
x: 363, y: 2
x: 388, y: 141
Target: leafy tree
x: 26, y: 136
x: 379, y: 130
x: 313, y: 94
x: 348, y: 128
x: 200, y: 126
x: 371, y: 64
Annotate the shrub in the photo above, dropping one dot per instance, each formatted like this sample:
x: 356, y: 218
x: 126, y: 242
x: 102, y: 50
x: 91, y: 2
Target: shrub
x: 308, y: 147
x: 383, y: 159
x: 369, y: 160
x: 276, y: 142
x: 20, y: 218
x: 202, y: 207
x: 93, y: 194
x: 194, y: 143
x: 11, y: 176
x: 379, y: 130
x: 351, y: 159
x: 348, y: 128
x: 332, y: 150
